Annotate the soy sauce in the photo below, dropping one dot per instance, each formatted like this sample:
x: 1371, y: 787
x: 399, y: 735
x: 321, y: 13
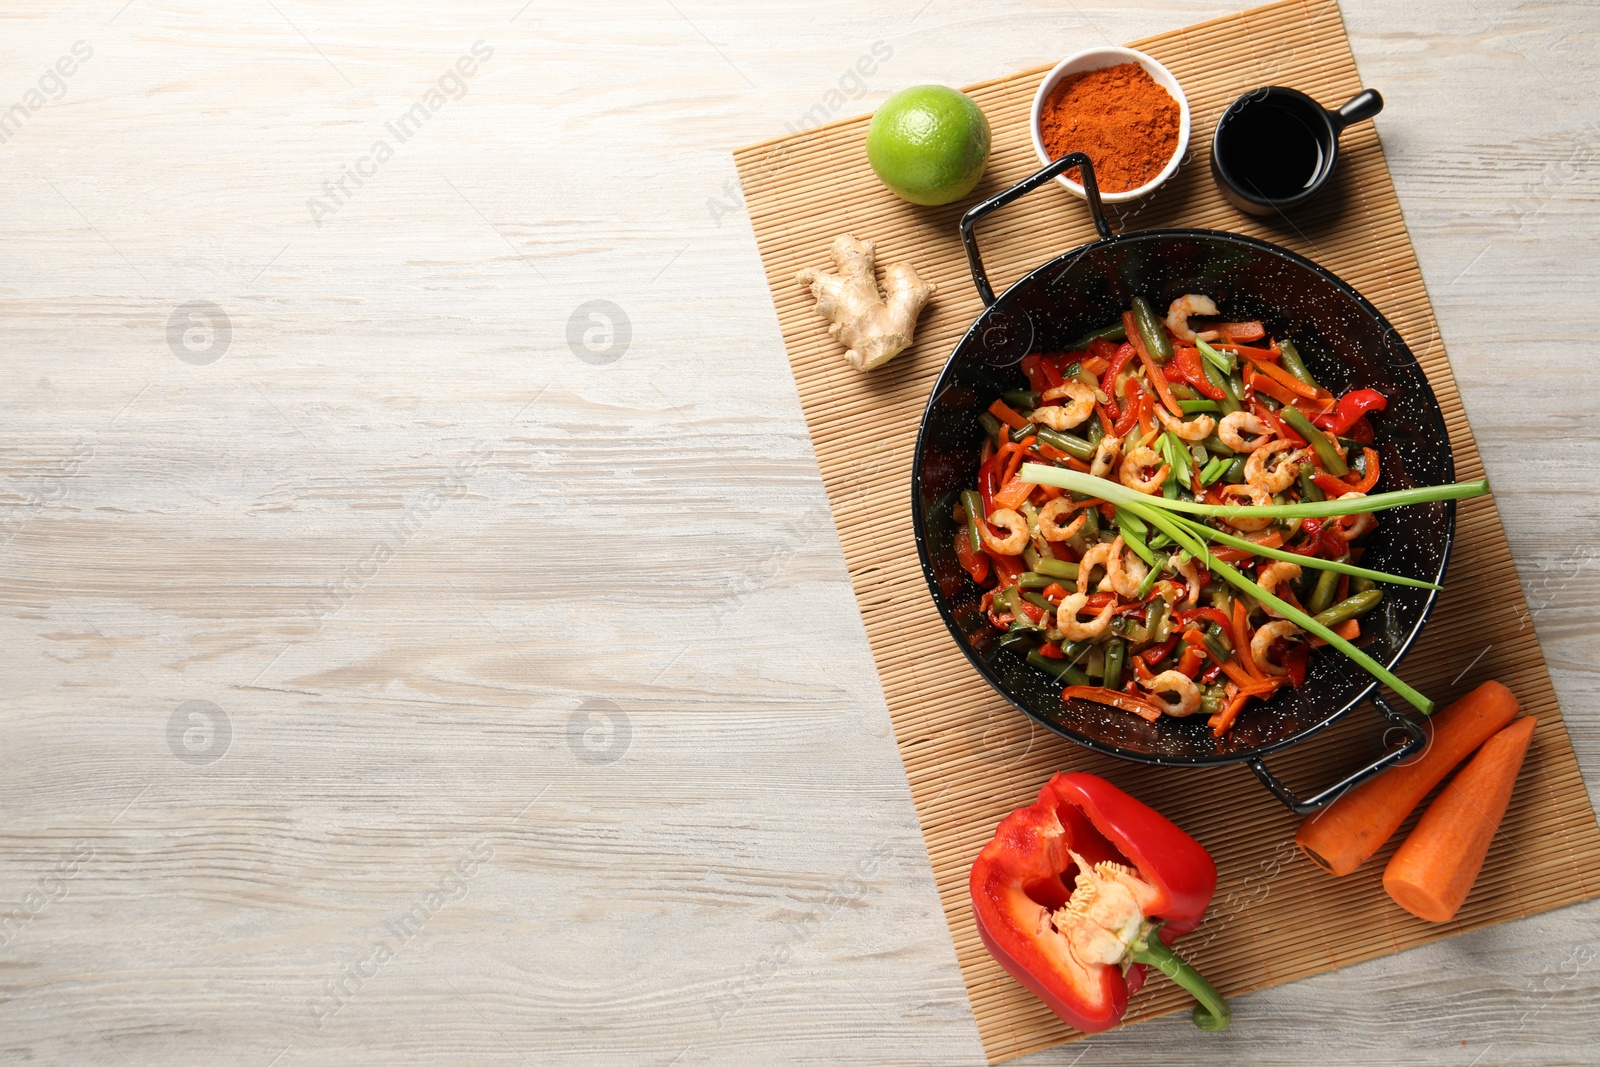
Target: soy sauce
x: 1271, y: 150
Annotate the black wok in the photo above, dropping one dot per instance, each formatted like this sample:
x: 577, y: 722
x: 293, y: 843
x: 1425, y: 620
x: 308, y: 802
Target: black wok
x: 1344, y: 341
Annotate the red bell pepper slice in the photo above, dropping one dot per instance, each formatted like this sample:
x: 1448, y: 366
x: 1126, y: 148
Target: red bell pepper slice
x: 1036, y: 376
x: 1352, y: 406
x: 1143, y: 875
x: 974, y: 563
x: 1185, y: 367
x: 1108, y: 381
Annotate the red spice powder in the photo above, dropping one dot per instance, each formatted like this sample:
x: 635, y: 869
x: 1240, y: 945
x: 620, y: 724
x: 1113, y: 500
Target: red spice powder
x: 1126, y: 123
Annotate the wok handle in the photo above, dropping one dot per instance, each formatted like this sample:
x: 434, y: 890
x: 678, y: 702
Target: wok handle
x: 1027, y: 185
x: 1418, y: 740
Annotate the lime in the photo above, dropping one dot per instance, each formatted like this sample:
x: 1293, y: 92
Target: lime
x: 929, y: 144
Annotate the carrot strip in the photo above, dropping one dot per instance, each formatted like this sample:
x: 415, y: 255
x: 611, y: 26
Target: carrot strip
x: 1279, y: 375
x: 1435, y: 867
x: 1263, y: 384
x: 1152, y: 372
x: 1013, y: 493
x: 1350, y: 629
x: 1241, y: 641
x: 1345, y: 834
x: 1002, y: 411
x: 1222, y: 721
x: 1235, y: 673
x: 1116, y: 698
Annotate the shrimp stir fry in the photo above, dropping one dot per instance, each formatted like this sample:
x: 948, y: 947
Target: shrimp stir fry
x: 1192, y: 406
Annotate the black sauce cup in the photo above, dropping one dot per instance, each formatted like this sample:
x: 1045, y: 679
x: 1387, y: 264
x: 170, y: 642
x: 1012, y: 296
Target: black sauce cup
x: 1275, y: 147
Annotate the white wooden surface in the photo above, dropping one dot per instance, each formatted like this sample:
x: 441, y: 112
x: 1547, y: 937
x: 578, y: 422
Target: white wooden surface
x: 405, y: 545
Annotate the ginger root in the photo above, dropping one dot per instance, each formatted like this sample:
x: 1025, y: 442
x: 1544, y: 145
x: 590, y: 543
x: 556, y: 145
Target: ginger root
x: 874, y: 327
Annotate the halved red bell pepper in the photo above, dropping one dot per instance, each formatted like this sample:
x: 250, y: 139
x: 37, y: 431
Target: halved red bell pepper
x: 1079, y: 891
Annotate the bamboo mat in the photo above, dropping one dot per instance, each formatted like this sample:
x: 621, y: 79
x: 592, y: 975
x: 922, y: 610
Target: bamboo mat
x: 969, y: 756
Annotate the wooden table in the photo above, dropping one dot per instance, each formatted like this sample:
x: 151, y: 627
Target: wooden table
x: 426, y: 636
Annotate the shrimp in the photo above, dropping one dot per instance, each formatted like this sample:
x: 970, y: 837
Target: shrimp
x: 1233, y: 427
x: 1275, y: 574
x: 1123, y: 574
x: 1067, y: 416
x: 1016, y: 528
x: 1261, y: 644
x: 1106, y: 456
x: 1049, y: 520
x: 1258, y: 496
x: 1196, y: 429
x: 1179, y: 685
x: 1074, y: 630
x: 1191, y: 571
x: 1350, y: 527
x: 1278, y: 477
x: 1178, y: 316
x: 1136, y: 461
x: 1099, y: 555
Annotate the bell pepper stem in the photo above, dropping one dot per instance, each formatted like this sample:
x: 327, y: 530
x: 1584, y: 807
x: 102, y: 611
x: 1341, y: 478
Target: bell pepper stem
x: 1212, y: 1013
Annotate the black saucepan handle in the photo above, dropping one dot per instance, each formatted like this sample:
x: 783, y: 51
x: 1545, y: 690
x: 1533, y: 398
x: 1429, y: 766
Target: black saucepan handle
x: 1090, y: 187
x: 1416, y: 741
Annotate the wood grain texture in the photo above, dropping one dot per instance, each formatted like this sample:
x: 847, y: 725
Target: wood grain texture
x: 746, y: 881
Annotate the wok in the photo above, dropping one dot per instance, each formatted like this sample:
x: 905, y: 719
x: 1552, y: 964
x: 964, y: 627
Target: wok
x: 1346, y: 344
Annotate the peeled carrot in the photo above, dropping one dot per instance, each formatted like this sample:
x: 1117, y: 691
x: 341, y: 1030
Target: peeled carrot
x: 1435, y: 868
x: 1345, y: 834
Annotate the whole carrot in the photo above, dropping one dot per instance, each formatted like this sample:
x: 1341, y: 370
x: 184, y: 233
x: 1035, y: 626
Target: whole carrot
x: 1345, y: 834
x: 1435, y: 867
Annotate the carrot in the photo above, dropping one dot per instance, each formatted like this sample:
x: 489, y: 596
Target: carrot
x: 1013, y: 493
x: 1345, y: 834
x: 1279, y: 375
x: 1002, y: 411
x: 1350, y: 629
x: 1241, y: 642
x: 1435, y: 868
x: 1222, y: 721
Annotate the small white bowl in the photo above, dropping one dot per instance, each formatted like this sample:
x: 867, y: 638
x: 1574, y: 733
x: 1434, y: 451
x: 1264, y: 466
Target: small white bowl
x: 1095, y: 59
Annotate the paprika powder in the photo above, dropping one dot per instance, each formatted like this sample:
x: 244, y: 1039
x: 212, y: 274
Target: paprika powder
x: 1126, y: 123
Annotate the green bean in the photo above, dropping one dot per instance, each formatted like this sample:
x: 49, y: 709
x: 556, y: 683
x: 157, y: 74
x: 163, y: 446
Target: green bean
x: 1308, y: 487
x: 1038, y: 601
x: 1219, y: 379
x: 991, y: 426
x: 1151, y: 331
x: 1034, y: 580
x: 1017, y: 640
x: 1362, y: 585
x: 1076, y: 650
x: 1191, y: 407
x: 1352, y: 607
x: 1059, y: 569
x: 1113, y: 332
x: 1021, y: 399
x: 1322, y: 596
x: 1023, y: 432
x: 1331, y: 460
x: 1061, y: 670
x: 1289, y: 360
x: 1070, y: 443
x: 1097, y: 432
x: 1235, y: 472
x: 1030, y: 556
x: 1213, y: 699
x: 1116, y: 651
x: 972, y: 504
x: 1214, y: 445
